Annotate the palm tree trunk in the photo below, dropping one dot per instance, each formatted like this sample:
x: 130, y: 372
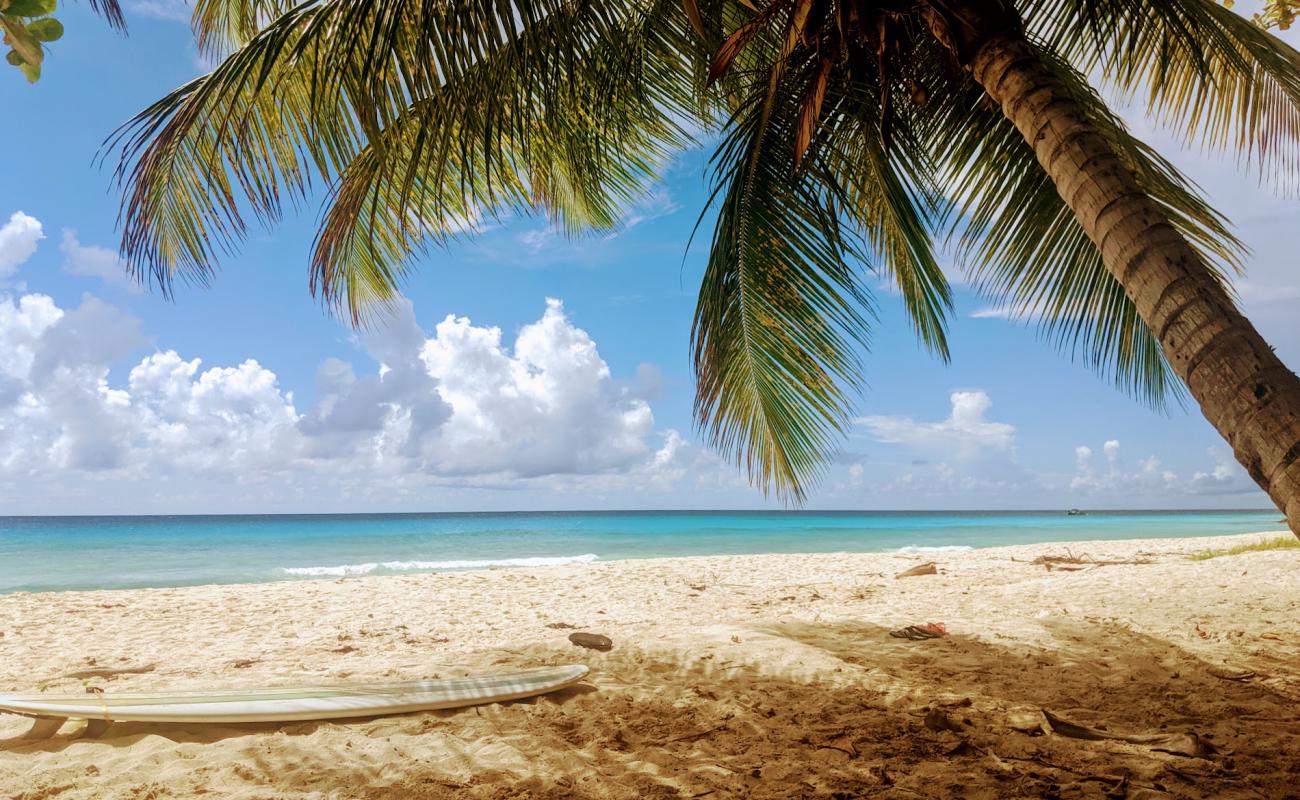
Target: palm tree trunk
x: 1243, y: 388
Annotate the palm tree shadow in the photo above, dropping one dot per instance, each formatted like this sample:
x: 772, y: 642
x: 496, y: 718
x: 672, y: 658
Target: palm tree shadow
x: 803, y: 709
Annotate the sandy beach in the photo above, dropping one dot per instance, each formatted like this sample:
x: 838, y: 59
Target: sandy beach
x: 739, y: 676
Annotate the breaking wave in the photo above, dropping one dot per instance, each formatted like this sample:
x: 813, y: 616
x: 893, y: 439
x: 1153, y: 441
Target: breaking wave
x: 345, y: 570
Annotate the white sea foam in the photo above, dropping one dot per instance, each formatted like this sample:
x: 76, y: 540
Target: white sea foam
x: 946, y: 548
x: 407, y: 566
x: 343, y: 569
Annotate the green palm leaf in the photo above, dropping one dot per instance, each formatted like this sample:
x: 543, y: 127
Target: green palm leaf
x: 488, y: 142
x: 781, y: 309
x: 850, y: 136
x: 1203, y: 70
x: 1027, y: 251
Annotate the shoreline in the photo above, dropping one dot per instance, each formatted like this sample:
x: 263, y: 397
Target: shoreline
x: 719, y: 663
x: 306, y: 574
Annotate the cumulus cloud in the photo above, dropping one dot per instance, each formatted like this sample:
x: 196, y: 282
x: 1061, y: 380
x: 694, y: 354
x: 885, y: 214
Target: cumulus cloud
x: 18, y: 238
x: 225, y: 420
x: 964, y: 460
x: 1150, y: 478
x: 1147, y: 477
x: 508, y: 405
x: 392, y: 412
x: 965, y: 432
x: 56, y: 407
x: 458, y: 407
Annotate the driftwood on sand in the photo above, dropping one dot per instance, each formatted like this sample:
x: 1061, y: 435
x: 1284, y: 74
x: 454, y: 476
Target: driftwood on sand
x: 1183, y: 744
x: 928, y: 568
x: 1072, y: 563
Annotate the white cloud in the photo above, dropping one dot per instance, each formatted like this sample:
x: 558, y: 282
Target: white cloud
x: 92, y: 261
x: 56, y: 408
x: 460, y: 407
x: 225, y: 420
x: 964, y: 433
x: 391, y: 413
x: 657, y: 202
x: 1226, y: 477
x: 18, y: 238
x: 538, y: 239
x: 994, y: 313
x: 508, y: 407
x: 1149, y: 478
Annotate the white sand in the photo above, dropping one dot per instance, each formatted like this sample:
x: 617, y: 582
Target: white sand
x: 745, y: 676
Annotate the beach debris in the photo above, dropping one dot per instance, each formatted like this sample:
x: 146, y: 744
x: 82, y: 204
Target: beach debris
x: 1065, y: 562
x: 916, y: 633
x: 928, y: 568
x: 1181, y: 744
x: 1229, y: 674
x: 843, y: 742
x: 592, y: 641
x: 1026, y: 720
x: 561, y: 626
x: 937, y: 720
x: 243, y: 663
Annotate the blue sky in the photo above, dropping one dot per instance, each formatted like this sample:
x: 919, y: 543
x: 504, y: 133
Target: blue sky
x: 527, y: 372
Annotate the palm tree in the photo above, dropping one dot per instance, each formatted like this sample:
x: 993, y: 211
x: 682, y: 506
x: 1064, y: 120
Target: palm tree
x: 844, y: 133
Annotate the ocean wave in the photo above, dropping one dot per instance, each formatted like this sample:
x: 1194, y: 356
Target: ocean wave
x: 344, y: 570
x: 339, y: 571
x: 945, y: 548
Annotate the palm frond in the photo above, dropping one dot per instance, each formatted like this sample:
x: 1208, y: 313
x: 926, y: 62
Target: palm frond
x: 891, y: 195
x: 489, y: 141
x: 223, y: 26
x: 781, y: 311
x: 1203, y: 71
x: 243, y: 139
x: 301, y: 98
x: 1027, y: 251
x: 111, y: 11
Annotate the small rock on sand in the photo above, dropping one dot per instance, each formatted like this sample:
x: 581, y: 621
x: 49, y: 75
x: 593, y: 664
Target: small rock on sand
x: 592, y: 641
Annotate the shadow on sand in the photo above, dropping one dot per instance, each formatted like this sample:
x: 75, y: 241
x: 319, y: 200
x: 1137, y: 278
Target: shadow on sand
x: 841, y: 710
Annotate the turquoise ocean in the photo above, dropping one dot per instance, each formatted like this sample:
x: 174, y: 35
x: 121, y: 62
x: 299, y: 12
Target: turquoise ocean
x: 59, y: 553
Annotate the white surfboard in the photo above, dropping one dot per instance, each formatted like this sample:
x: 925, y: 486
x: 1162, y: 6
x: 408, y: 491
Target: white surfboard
x: 289, y: 703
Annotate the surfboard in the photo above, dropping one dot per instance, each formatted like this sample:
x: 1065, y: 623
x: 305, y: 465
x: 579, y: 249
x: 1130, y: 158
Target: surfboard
x: 290, y: 703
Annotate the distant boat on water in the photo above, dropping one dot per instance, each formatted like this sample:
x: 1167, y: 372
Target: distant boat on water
x: 1074, y: 512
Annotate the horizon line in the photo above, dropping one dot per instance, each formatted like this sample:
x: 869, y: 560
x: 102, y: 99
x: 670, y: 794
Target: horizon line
x: 526, y: 512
